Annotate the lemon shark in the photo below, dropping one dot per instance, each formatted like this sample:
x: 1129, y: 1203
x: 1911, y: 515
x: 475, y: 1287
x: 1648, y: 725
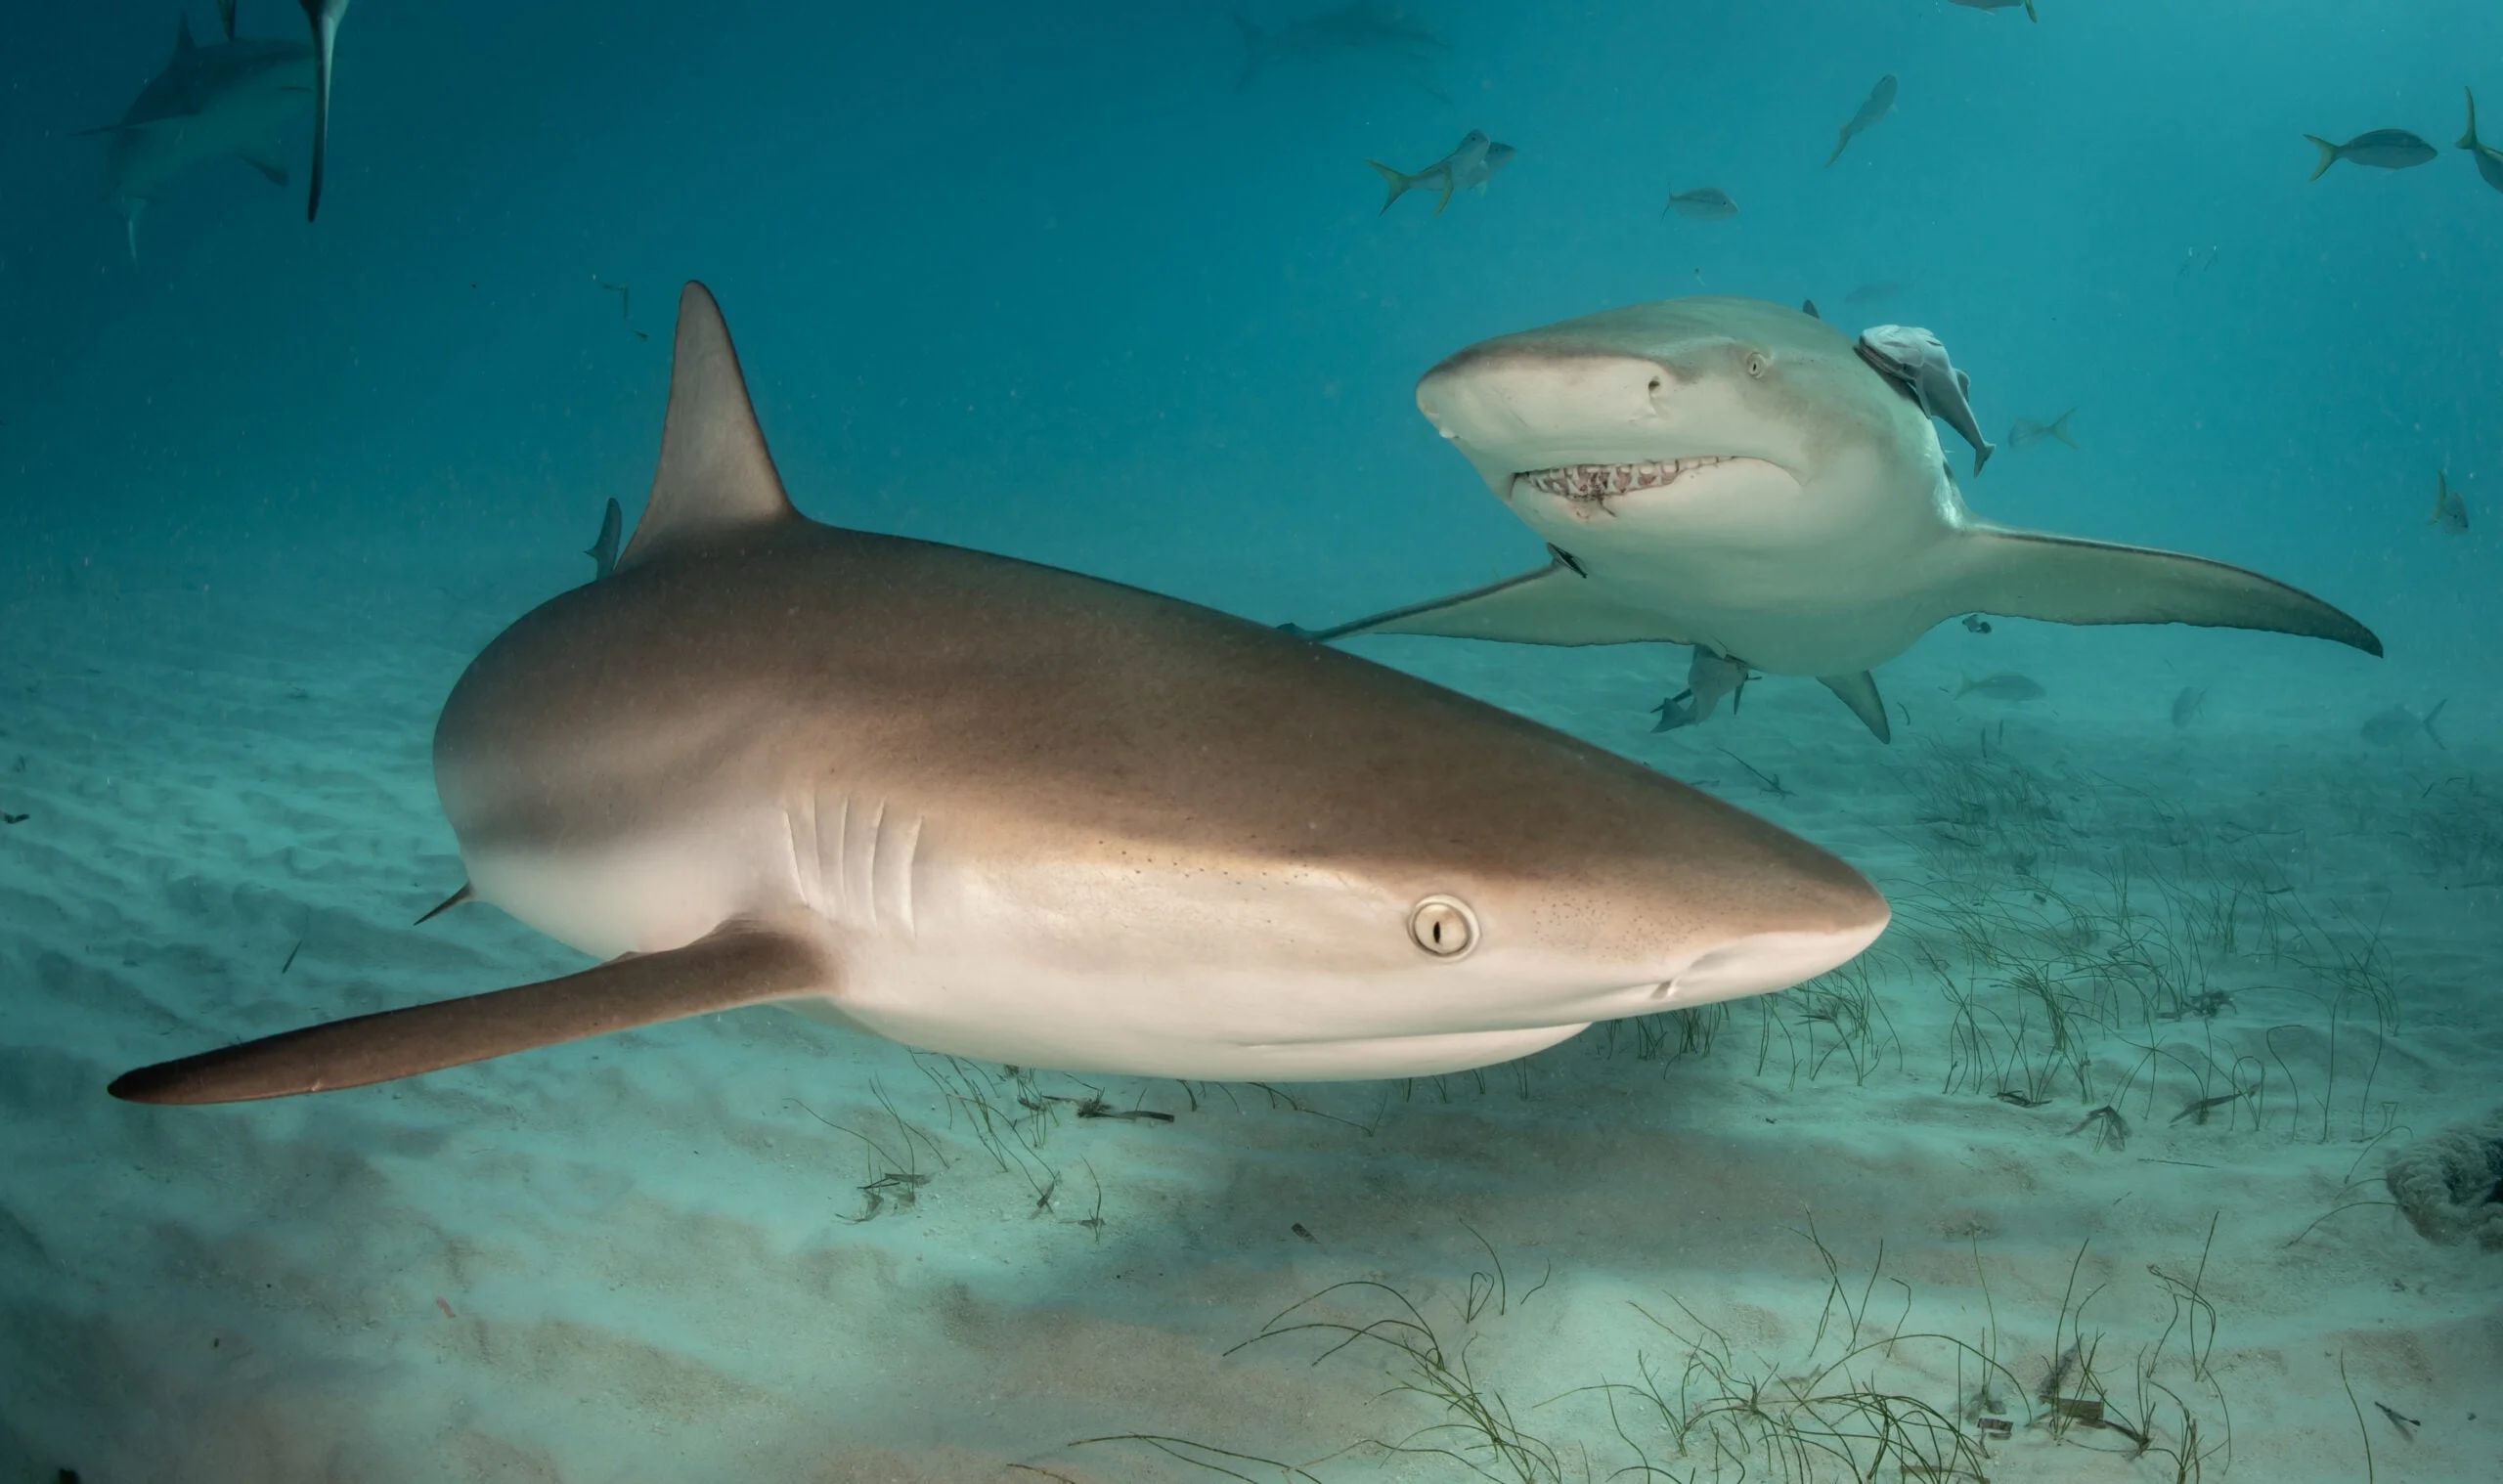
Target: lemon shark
x: 210, y: 101
x: 1731, y: 474
x: 1007, y: 811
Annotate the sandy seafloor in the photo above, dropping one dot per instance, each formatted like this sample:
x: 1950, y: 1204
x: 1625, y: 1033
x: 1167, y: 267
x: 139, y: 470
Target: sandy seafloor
x: 645, y: 1258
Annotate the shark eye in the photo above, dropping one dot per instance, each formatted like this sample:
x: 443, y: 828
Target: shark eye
x: 1757, y: 361
x: 1443, y: 926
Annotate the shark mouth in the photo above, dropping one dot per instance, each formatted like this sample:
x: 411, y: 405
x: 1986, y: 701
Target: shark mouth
x: 1597, y: 483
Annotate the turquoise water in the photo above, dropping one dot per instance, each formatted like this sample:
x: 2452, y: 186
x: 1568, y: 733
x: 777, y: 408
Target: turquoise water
x: 1072, y: 287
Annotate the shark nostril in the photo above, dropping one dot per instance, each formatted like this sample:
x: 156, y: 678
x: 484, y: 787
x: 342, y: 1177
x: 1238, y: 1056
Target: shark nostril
x: 1655, y: 385
x: 1443, y: 926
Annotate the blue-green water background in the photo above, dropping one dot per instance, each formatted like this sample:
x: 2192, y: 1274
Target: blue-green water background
x: 1045, y: 280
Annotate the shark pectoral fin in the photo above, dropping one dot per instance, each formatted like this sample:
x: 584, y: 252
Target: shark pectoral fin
x: 1860, y: 693
x: 1553, y: 605
x: 714, y: 475
x: 2063, y: 580
x: 740, y: 963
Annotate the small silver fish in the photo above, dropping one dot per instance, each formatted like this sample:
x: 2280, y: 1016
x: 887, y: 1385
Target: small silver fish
x: 1705, y: 203
x: 2398, y: 725
x: 2025, y: 431
x: 2382, y: 148
x: 2008, y: 685
x: 2185, y: 706
x: 1880, y: 102
x: 1917, y: 362
x: 2450, y: 511
x: 2199, y: 258
x: 1708, y: 677
x: 1469, y: 167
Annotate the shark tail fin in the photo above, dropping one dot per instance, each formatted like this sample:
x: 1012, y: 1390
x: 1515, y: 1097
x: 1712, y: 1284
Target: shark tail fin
x: 2428, y: 724
x: 740, y: 963
x: 2468, y: 141
x: 325, y: 17
x: 2060, y: 427
x: 2328, y: 155
x: 1399, y: 182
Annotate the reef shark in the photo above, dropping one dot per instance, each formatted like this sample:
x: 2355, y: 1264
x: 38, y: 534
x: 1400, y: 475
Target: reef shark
x: 1731, y: 474
x: 1007, y: 811
x: 210, y: 103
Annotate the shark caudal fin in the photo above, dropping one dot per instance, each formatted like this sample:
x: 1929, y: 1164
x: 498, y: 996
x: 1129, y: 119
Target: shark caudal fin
x: 740, y: 963
x: 323, y: 15
x: 2328, y: 155
x: 1552, y: 605
x: 2064, y: 580
x: 716, y: 474
x: 2468, y: 141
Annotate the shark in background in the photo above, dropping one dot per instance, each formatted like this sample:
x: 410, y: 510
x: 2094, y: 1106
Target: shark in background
x: 1357, y: 29
x: 1733, y: 474
x: 226, y: 100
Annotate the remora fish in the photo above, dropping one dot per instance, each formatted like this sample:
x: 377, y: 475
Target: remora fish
x: 2382, y: 148
x: 1708, y: 677
x: 210, y: 103
x: 1005, y: 812
x: 1729, y: 472
x: 1880, y: 102
x: 1916, y: 360
x: 1469, y: 167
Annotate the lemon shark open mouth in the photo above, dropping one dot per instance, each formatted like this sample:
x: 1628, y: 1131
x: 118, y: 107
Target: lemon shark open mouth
x: 1730, y: 473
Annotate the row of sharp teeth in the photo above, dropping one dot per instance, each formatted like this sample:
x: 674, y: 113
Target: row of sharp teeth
x: 1598, y: 481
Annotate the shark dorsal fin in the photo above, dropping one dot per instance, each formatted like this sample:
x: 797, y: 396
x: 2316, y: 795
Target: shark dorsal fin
x: 715, y: 474
x: 183, y: 41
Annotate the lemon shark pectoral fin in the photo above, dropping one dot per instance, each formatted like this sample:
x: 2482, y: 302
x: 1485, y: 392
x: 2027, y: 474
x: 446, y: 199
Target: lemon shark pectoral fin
x: 742, y: 961
x: 1860, y: 693
x: 2064, y: 580
x: 1557, y: 604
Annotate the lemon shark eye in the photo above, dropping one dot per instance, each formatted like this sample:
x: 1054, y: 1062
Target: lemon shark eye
x: 1443, y: 926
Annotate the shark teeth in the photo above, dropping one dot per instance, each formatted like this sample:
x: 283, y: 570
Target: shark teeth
x: 1600, y: 481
